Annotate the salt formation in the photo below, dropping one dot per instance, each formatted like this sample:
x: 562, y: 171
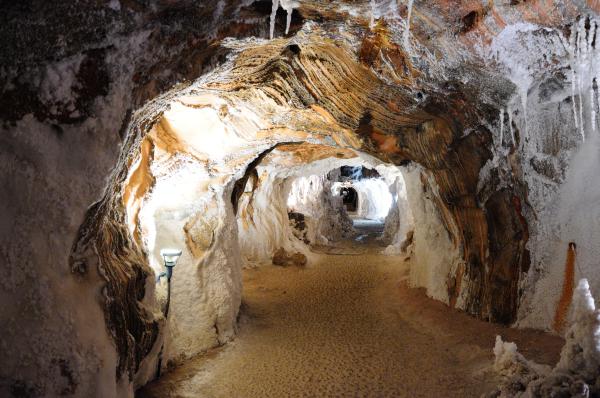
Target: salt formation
x: 577, y: 373
x: 406, y: 33
x: 399, y: 222
x: 524, y: 58
x: 414, y: 220
x: 429, y: 231
x: 181, y: 213
x: 372, y: 21
x: 387, y: 10
x: 374, y: 198
x: 559, y: 176
x: 584, y: 61
x: 514, y: 367
x: 324, y: 212
x: 288, y: 6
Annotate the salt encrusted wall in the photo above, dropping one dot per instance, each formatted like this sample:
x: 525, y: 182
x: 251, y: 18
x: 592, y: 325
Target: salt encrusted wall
x: 374, y: 198
x: 180, y: 212
x: 55, y: 340
x: 415, y: 229
x: 399, y: 221
x: 546, y: 142
x: 429, y: 266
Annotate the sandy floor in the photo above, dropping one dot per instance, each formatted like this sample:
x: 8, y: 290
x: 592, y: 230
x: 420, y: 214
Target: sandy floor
x: 348, y: 327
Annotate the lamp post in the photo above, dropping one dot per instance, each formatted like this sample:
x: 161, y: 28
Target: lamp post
x: 170, y: 257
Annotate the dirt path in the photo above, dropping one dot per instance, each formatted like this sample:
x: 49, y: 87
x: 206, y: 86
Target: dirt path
x: 348, y: 327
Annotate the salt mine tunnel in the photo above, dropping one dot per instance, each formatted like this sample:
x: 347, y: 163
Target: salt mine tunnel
x: 313, y: 198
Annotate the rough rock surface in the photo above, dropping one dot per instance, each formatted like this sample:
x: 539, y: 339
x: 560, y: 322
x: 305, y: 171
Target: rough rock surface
x: 284, y: 259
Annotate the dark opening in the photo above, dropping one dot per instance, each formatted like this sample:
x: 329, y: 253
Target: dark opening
x: 357, y: 173
x: 469, y: 21
x: 349, y: 198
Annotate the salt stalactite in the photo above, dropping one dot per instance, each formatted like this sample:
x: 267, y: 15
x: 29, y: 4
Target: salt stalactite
x: 274, y: 8
x: 510, y: 125
x: 387, y: 10
x: 592, y: 106
x: 523, y: 94
x: 573, y: 84
x: 372, y: 21
x: 406, y: 33
x: 501, y: 126
x: 288, y: 6
x: 522, y: 49
x: 578, y: 35
x: 584, y: 58
x: 594, y: 50
x: 578, y: 58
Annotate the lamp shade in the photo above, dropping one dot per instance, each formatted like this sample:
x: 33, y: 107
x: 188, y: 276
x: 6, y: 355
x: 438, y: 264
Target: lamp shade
x: 170, y: 256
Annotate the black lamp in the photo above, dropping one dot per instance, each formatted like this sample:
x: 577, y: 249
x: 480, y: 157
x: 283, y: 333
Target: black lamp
x: 170, y: 257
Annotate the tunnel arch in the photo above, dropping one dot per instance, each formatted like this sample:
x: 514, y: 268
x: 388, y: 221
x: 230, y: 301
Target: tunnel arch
x: 245, y: 97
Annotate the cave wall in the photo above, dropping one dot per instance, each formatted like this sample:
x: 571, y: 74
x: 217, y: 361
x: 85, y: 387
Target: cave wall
x: 180, y: 212
x: 399, y: 222
x: 263, y: 222
x: 545, y: 148
x: 374, y: 198
x: 430, y: 268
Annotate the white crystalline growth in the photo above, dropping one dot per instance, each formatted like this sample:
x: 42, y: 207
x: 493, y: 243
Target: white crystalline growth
x: 288, y: 6
x: 523, y: 51
x: 385, y: 9
x: 406, y: 33
x: 60, y: 80
x: 584, y: 62
x: 578, y: 370
x: 510, y: 363
x: 581, y: 353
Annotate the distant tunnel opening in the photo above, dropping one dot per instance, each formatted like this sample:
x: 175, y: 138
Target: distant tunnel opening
x: 349, y: 198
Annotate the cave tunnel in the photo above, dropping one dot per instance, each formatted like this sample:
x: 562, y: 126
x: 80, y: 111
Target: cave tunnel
x: 294, y: 198
x: 349, y: 198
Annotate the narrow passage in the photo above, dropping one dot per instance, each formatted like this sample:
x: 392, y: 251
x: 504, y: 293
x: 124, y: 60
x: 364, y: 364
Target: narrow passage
x: 348, y: 326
